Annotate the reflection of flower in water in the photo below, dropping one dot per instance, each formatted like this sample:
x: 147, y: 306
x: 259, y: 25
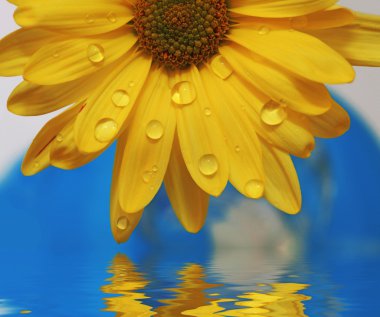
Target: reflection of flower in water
x: 190, y: 293
x: 194, y: 296
x: 126, y: 281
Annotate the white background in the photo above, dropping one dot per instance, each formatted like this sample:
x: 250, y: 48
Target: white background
x: 17, y: 132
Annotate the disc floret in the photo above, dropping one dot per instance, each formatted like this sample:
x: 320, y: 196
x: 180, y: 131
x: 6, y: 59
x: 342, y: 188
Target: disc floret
x: 179, y: 33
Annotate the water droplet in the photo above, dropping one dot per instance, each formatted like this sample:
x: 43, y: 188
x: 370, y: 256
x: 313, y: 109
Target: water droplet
x: 36, y: 164
x: 263, y: 30
x: 273, y: 113
x: 120, y: 98
x: 208, y: 164
x: 183, y: 93
x: 89, y: 19
x: 237, y: 149
x: 254, y: 188
x: 56, y: 54
x: 299, y: 22
x: 132, y: 84
x: 59, y: 137
x: 220, y: 67
x: 111, y: 17
x: 207, y: 112
x: 151, y: 187
x: 122, y: 223
x: 147, y: 176
x: 106, y: 130
x: 95, y: 53
x: 155, y: 169
x: 154, y: 130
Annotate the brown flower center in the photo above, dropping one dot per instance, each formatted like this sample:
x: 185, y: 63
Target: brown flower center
x: 179, y: 33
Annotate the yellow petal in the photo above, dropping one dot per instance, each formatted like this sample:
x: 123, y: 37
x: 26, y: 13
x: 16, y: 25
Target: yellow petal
x: 108, y: 107
x: 200, y: 137
x: 17, y: 48
x: 242, y: 144
x: 287, y: 135
x: 279, y: 8
x: 282, y: 188
x: 29, y: 99
x: 358, y: 43
x: 299, y: 94
x: 85, y: 17
x: 38, y: 156
x: 331, y: 124
x: 122, y: 224
x: 189, y: 202
x: 332, y: 17
x: 298, y: 52
x: 148, y: 147
x: 71, y: 59
x: 64, y: 153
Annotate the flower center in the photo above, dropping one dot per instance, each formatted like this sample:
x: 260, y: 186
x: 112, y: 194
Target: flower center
x: 179, y: 33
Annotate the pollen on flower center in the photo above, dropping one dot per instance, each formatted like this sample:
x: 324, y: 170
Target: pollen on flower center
x: 179, y: 33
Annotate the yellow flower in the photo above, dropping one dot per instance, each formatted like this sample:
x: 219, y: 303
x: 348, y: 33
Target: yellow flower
x: 197, y: 92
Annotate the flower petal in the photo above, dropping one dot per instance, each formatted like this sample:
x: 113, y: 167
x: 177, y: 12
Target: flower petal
x: 331, y: 124
x: 279, y: 8
x: 242, y: 144
x: 122, y: 224
x: 64, y: 153
x: 29, y: 99
x: 200, y: 137
x: 17, y: 48
x: 111, y: 103
x: 148, y: 147
x: 298, y: 52
x: 299, y: 94
x: 85, y: 17
x: 189, y: 202
x: 38, y: 156
x: 287, y: 135
x: 358, y: 43
x: 71, y: 59
x: 282, y: 188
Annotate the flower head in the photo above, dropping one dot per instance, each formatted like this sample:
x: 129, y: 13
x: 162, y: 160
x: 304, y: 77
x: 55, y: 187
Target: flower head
x: 196, y: 92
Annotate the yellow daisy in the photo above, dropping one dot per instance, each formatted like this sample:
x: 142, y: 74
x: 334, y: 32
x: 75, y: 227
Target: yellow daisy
x: 196, y: 92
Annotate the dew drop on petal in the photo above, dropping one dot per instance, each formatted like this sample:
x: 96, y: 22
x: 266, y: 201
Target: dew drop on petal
x: 95, y: 53
x: 263, y: 30
x: 59, y: 138
x: 273, y: 113
x: 36, y: 164
x: 154, y: 130
x: 237, y: 149
x: 183, y: 93
x: 147, y: 176
x: 89, y: 19
x: 208, y: 164
x: 254, y: 188
x: 120, y: 98
x: 155, y: 169
x: 122, y: 223
x: 221, y: 67
x: 106, y: 130
x: 111, y: 17
x: 207, y: 112
x: 132, y: 84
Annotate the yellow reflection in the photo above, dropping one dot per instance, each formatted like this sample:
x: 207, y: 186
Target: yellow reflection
x: 189, y: 294
x: 130, y: 284
x: 193, y: 296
